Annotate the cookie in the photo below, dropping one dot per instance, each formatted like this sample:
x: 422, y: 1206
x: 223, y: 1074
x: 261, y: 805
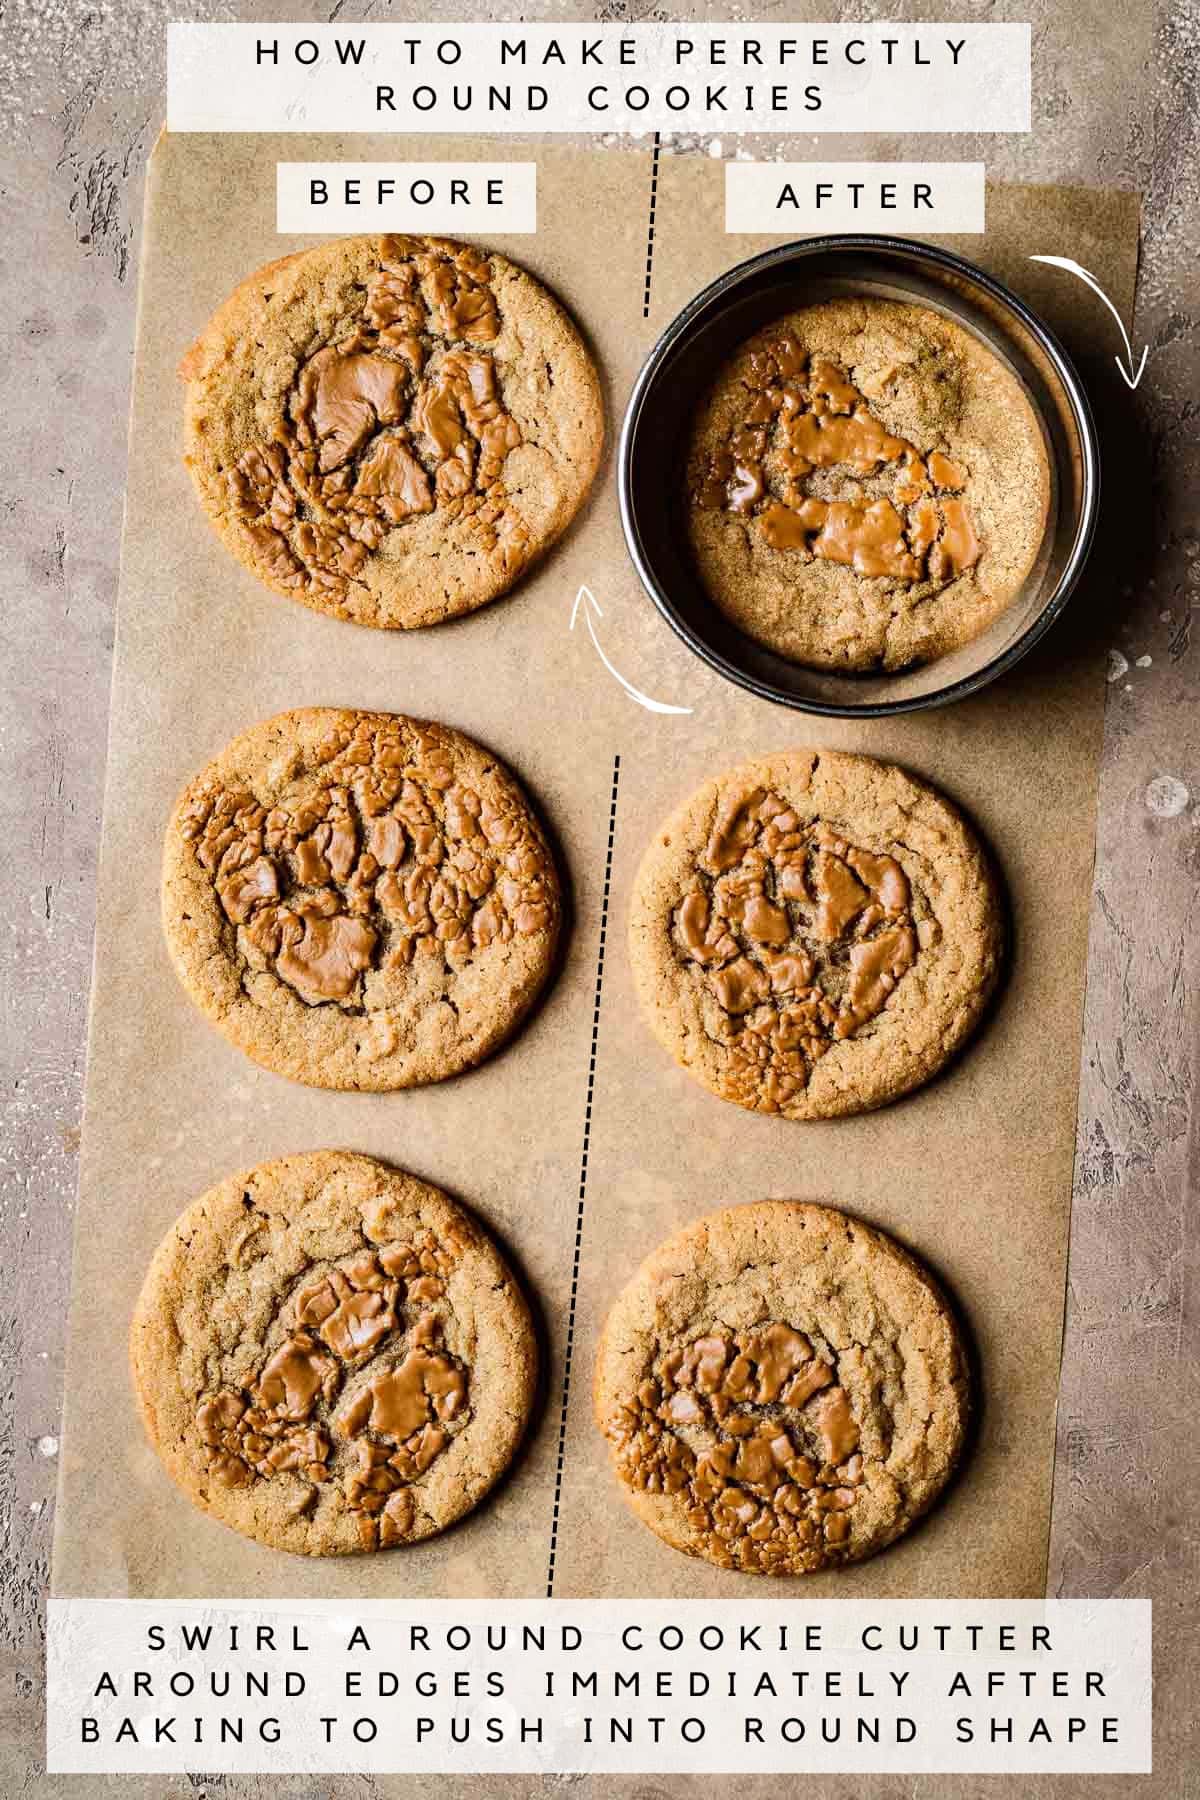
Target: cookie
x: 815, y: 934
x: 331, y: 1356
x: 359, y: 900
x: 391, y: 429
x: 782, y: 1388
x: 867, y: 486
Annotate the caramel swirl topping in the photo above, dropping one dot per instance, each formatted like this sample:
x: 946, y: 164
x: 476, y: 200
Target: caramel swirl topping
x: 400, y: 414
x: 797, y: 938
x: 805, y: 416
x: 378, y: 1311
x: 755, y: 1433
x: 380, y: 858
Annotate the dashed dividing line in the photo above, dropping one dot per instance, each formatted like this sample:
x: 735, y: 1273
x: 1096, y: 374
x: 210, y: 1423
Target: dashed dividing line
x: 583, y: 1172
x: 650, y: 232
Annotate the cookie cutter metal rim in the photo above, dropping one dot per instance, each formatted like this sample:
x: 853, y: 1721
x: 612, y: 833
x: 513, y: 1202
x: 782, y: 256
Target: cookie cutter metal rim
x: 798, y: 251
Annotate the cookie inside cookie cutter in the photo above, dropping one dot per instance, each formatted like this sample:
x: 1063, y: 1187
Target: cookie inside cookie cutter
x: 751, y: 296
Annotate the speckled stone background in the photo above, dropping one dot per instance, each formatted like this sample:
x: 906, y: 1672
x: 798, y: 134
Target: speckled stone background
x: 1116, y: 101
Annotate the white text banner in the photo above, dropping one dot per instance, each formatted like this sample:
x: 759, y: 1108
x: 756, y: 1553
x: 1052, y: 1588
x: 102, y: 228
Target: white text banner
x: 908, y: 197
x: 604, y: 78
x: 416, y: 196
x: 648, y: 1686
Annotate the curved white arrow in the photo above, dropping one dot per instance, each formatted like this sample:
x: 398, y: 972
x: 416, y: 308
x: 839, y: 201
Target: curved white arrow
x: 1128, y: 375
x: 592, y: 611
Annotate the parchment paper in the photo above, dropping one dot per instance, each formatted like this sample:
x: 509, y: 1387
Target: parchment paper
x: 974, y: 1173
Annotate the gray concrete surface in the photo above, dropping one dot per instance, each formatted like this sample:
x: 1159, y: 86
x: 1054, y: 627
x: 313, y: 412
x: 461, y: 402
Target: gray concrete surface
x: 1117, y: 101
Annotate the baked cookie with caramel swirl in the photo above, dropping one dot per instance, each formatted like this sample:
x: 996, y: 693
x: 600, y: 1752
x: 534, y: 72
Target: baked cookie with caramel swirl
x: 331, y: 1356
x: 358, y: 899
x: 783, y: 1389
x: 815, y: 934
x: 867, y: 485
x: 391, y: 429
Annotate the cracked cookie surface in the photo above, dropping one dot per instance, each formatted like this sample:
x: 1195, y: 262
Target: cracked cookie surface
x: 783, y: 1389
x: 359, y: 900
x: 389, y: 428
x: 331, y: 1356
x: 867, y: 486
x: 814, y: 934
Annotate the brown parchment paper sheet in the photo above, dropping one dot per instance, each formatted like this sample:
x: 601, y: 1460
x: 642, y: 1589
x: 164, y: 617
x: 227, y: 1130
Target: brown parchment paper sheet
x: 975, y: 1173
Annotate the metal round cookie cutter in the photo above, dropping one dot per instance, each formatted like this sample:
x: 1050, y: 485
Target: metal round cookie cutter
x: 652, y: 449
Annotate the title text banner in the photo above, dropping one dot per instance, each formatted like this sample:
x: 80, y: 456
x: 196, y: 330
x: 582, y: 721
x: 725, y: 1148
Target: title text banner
x: 605, y: 78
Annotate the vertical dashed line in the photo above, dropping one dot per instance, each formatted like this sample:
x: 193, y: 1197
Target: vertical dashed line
x: 650, y: 232
x: 583, y: 1171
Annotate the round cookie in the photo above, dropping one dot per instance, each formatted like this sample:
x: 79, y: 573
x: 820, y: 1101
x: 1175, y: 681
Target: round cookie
x: 814, y: 934
x: 331, y: 1356
x: 783, y: 1389
x: 359, y: 900
x: 391, y: 429
x: 867, y: 486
